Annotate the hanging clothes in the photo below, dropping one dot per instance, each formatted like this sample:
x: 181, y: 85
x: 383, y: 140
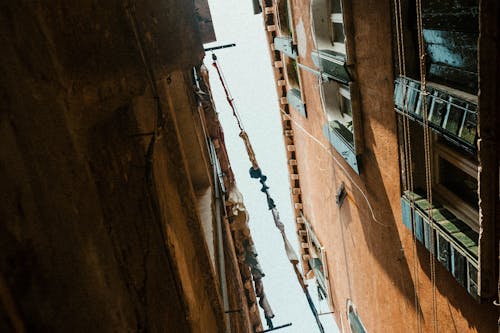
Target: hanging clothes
x: 256, y: 172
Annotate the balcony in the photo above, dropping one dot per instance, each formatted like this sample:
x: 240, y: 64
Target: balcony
x: 455, y: 245
x: 451, y: 113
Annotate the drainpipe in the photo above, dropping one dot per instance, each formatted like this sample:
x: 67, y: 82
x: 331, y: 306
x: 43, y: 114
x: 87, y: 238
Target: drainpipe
x: 220, y: 238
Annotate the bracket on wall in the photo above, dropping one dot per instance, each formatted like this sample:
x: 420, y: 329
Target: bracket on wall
x: 341, y: 194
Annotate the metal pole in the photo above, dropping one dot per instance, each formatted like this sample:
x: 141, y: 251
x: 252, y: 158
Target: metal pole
x: 323, y: 76
x: 325, y: 313
x: 275, y: 328
x: 220, y: 238
x: 220, y: 47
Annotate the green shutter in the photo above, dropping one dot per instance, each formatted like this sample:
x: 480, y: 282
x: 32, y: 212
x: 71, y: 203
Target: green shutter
x: 344, y: 148
x: 406, y: 210
x: 285, y: 45
x: 294, y: 99
x: 355, y: 323
x: 331, y: 65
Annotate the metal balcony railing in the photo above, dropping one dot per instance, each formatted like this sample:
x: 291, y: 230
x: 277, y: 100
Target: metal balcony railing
x: 456, y: 244
x: 449, y: 114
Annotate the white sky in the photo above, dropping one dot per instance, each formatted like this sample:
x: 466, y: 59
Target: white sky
x: 248, y: 72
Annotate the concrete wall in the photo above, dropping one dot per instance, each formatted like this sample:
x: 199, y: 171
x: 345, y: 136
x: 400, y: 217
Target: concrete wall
x: 99, y: 228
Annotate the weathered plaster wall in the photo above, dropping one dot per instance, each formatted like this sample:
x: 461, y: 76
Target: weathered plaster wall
x: 372, y: 261
x: 90, y: 240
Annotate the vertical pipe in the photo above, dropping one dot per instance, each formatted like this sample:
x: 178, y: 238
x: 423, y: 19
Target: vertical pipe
x: 220, y: 238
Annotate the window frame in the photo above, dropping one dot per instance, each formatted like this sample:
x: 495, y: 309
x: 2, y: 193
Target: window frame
x: 322, y: 19
x: 336, y: 112
x: 315, y: 245
x: 445, y: 196
x: 322, y: 26
x: 284, y: 15
x: 284, y: 11
x: 337, y: 18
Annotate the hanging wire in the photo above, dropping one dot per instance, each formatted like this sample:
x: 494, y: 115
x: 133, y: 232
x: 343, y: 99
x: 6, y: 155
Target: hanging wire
x: 334, y: 158
x: 428, y: 161
x: 408, y: 165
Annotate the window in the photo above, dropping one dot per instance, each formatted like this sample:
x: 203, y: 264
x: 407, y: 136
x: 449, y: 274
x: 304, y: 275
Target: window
x: 285, y: 27
x: 331, y: 65
x: 453, y: 216
x: 336, y: 88
x: 450, y: 32
x: 285, y: 44
x: 328, y: 26
x: 294, y: 95
x: 317, y: 262
x: 452, y: 115
x: 455, y: 183
x: 336, y: 100
x: 342, y: 120
x: 292, y: 73
x: 337, y: 27
x: 456, y: 244
x: 355, y: 323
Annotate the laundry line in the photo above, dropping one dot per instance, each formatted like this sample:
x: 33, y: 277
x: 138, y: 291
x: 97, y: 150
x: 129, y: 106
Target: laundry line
x: 256, y: 173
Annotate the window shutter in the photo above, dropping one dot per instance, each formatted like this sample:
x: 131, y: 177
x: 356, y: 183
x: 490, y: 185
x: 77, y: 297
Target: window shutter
x: 285, y: 45
x: 294, y: 98
x: 458, y: 266
x: 443, y: 251
x: 406, y: 209
x: 331, y: 65
x: 355, y: 323
x: 342, y: 147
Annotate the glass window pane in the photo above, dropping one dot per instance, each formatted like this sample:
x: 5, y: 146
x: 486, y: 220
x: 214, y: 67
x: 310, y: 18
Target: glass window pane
x: 438, y: 108
x: 458, y: 266
x: 346, y: 108
x: 457, y: 181
x: 472, y: 280
x: 443, y: 251
x: 468, y: 130
x: 455, y: 116
x: 412, y: 95
x: 338, y: 33
x: 399, y: 91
